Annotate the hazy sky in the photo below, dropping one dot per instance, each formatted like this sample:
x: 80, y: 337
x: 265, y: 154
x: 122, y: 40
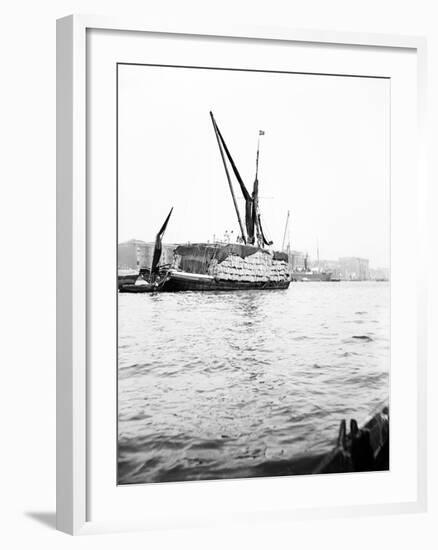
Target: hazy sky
x: 324, y: 156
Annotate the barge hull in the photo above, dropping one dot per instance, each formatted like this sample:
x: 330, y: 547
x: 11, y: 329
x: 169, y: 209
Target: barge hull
x: 176, y: 283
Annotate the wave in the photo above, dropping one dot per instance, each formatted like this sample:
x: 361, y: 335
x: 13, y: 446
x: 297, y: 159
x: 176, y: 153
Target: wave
x: 364, y: 338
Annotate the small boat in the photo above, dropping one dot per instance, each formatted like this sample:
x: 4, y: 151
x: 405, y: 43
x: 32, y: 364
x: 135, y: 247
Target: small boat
x: 138, y: 288
x: 362, y: 449
x: 126, y: 277
x: 149, y: 281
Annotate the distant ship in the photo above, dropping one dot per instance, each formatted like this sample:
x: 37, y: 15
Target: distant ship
x: 247, y: 264
x: 305, y: 273
x: 314, y: 275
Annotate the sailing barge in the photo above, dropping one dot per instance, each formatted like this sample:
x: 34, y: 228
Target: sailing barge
x: 247, y: 264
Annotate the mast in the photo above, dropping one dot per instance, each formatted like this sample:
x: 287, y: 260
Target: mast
x: 255, y: 195
x: 261, y: 133
x: 256, y: 221
x: 286, y: 227
x: 158, y: 247
x: 317, y: 254
x: 221, y: 142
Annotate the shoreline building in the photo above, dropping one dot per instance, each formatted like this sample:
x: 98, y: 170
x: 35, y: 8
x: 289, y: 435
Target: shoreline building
x: 297, y: 260
x: 379, y: 274
x: 354, y: 269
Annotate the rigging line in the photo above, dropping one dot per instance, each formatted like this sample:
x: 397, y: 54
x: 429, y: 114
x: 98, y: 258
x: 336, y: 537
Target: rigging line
x: 266, y: 232
x: 217, y: 133
x: 249, y: 202
x: 243, y: 188
x: 286, y: 227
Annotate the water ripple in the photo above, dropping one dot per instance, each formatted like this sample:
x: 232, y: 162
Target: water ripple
x: 241, y: 383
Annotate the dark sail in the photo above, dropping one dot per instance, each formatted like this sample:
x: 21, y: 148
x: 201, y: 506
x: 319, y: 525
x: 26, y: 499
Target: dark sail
x: 158, y: 247
x: 249, y: 220
x: 261, y: 238
x: 255, y: 207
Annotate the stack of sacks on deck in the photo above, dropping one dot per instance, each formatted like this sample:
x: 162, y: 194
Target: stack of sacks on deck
x: 259, y: 267
x: 233, y: 262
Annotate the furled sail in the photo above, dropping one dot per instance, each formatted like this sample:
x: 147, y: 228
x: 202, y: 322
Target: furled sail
x: 261, y: 238
x: 158, y: 246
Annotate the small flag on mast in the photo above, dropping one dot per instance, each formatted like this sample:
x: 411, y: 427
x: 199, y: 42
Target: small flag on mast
x: 261, y: 132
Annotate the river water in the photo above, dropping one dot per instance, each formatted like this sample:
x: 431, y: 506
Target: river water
x: 215, y: 385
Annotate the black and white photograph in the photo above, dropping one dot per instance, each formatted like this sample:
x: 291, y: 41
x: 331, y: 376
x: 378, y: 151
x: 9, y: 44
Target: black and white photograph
x: 253, y: 273
x: 227, y: 341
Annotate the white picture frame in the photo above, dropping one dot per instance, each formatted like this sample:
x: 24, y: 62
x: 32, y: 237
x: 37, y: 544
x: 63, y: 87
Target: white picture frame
x: 73, y: 290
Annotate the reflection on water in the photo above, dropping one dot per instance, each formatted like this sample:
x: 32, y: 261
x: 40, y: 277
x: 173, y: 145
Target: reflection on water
x: 213, y: 385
